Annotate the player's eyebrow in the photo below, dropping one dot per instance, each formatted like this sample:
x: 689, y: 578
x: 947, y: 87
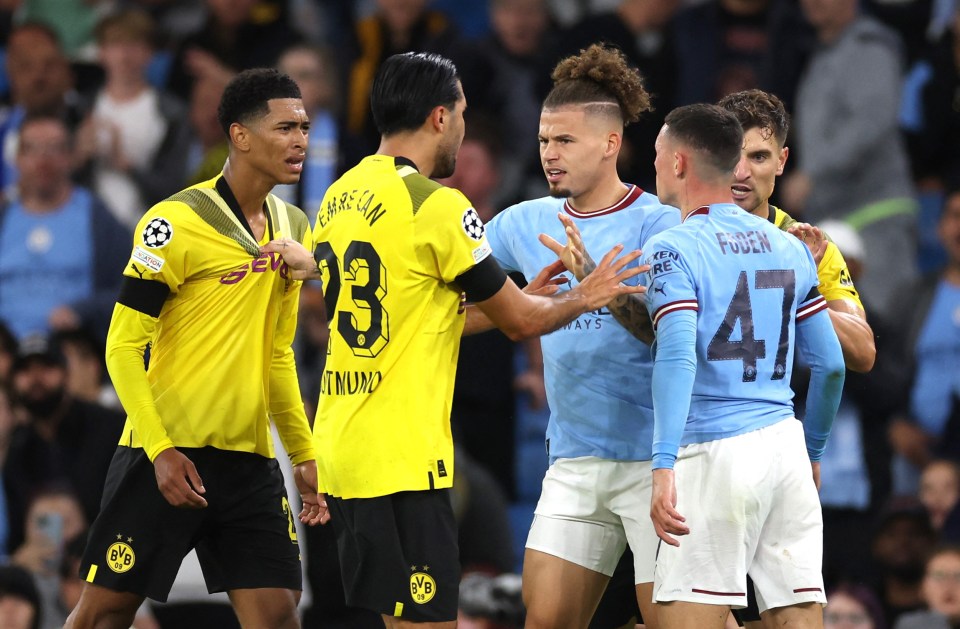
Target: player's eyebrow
x: 760, y: 153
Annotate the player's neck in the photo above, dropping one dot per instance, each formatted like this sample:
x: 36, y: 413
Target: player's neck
x: 605, y: 194
x: 249, y: 189
x: 762, y: 210
x: 698, y: 194
x: 411, y: 146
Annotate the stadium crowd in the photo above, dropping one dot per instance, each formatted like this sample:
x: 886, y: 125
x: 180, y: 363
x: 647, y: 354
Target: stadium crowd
x: 110, y: 106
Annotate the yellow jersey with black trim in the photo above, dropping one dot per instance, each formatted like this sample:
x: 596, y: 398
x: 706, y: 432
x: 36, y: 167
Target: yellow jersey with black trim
x: 835, y: 280
x: 390, y: 244
x: 220, y: 319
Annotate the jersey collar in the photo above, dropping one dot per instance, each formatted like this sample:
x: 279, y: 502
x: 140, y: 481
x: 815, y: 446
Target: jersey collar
x: 223, y: 189
x: 632, y: 194
x: 703, y: 210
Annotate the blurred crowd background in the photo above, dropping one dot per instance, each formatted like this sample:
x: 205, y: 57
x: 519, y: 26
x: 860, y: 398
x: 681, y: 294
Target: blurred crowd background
x: 110, y: 106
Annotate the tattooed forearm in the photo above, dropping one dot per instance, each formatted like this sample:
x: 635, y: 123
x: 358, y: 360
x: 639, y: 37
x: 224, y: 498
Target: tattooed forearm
x: 631, y: 313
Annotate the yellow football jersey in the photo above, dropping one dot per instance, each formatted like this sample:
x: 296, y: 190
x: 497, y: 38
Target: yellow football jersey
x: 220, y: 320
x: 835, y: 280
x: 390, y: 243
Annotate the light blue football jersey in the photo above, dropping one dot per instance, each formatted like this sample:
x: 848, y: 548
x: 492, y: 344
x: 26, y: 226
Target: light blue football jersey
x: 597, y: 375
x: 749, y: 284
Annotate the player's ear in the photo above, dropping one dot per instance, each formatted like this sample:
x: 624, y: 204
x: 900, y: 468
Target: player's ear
x: 614, y: 142
x: 438, y: 116
x: 679, y: 165
x: 784, y: 154
x: 240, y: 136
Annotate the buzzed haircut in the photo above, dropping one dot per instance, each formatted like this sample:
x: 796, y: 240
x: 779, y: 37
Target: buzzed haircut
x: 41, y: 27
x: 710, y: 130
x: 408, y: 87
x: 247, y: 95
x: 601, y: 79
x: 760, y: 110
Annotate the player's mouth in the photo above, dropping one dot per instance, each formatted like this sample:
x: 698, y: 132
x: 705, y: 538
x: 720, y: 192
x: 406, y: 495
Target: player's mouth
x: 295, y: 164
x: 740, y: 192
x: 554, y: 174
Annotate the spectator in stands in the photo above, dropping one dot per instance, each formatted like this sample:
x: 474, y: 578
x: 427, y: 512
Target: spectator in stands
x: 396, y: 26
x: 233, y: 37
x: 901, y: 542
x: 59, y: 245
x: 209, y: 149
x: 135, y: 136
x: 40, y: 83
x: 19, y: 599
x: 939, y: 490
x: 931, y: 352
x: 852, y: 607
x: 86, y: 372
x: 500, y: 73
x: 725, y: 46
x: 852, y: 159
x: 8, y: 351
x: 54, y: 516
x: 65, y: 441
x: 941, y: 591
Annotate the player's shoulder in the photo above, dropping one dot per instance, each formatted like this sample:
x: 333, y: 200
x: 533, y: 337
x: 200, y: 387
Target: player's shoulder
x: 532, y: 210
x: 299, y: 223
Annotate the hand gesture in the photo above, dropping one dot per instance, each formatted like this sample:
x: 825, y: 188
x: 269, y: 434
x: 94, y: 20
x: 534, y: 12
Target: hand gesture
x: 663, y: 512
x: 548, y: 280
x: 314, y: 504
x: 573, y: 254
x: 178, y: 480
x: 295, y: 256
x: 605, y: 282
x: 812, y: 237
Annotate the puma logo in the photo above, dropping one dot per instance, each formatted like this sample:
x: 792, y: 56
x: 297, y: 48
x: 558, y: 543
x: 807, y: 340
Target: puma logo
x: 136, y: 270
x: 660, y: 290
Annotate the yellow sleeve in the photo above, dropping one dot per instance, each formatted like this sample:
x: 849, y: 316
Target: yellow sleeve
x: 158, y: 257
x: 453, y: 233
x: 130, y: 331
x: 835, y: 280
x: 286, y: 404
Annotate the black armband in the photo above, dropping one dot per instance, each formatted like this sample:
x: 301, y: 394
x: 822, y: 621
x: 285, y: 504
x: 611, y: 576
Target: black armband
x: 146, y: 296
x: 482, y: 281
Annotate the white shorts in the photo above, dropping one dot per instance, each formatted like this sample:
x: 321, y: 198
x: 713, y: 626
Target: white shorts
x: 590, y: 509
x: 752, y: 507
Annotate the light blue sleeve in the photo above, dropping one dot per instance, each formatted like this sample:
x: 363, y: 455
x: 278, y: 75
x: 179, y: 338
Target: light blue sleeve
x: 662, y: 219
x: 499, y: 231
x: 674, y: 370
x: 817, y: 342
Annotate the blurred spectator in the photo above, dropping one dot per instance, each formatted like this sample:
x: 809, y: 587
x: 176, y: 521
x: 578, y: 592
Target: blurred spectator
x: 208, y: 151
x: 8, y: 351
x: 7, y: 423
x: 852, y: 161
x: 135, y: 136
x: 941, y: 591
x: 314, y: 71
x: 40, y: 83
x: 500, y: 73
x: 491, y: 602
x: 86, y: 371
x: 396, y: 26
x: 73, y: 20
x: 65, y: 441
x: 931, y: 353
x: 236, y: 35
x: 852, y: 607
x: 54, y: 516
x: 61, y: 251
x: 19, y: 599
x: 483, y: 524
x: 482, y: 416
x: 901, y: 543
x: 639, y: 29
x: 940, y: 490
x: 725, y: 46
x: 855, y: 468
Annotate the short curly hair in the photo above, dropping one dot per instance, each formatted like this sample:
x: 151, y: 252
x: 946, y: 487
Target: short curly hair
x: 597, y: 77
x: 760, y: 110
x: 247, y: 95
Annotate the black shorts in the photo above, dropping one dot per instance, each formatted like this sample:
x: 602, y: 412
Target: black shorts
x: 619, y: 601
x: 245, y: 537
x: 398, y: 554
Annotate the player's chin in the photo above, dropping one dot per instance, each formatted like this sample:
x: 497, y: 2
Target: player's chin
x: 558, y: 192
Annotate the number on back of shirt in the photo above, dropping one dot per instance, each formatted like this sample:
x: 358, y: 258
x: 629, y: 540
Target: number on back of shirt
x: 750, y: 349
